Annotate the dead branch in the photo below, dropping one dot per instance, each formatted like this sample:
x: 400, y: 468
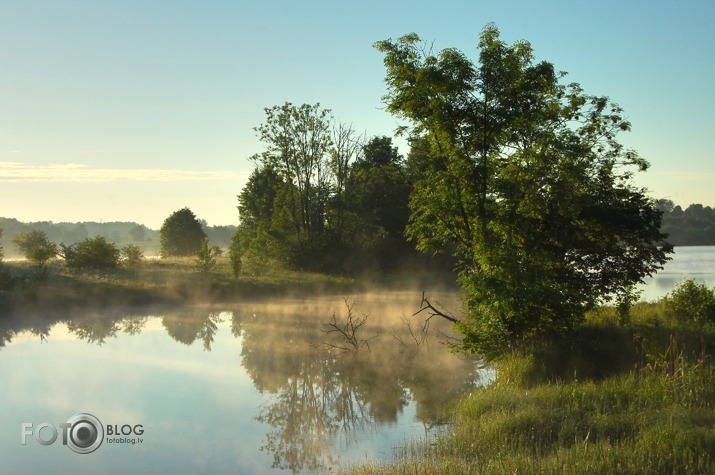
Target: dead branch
x: 347, y: 333
x: 432, y: 311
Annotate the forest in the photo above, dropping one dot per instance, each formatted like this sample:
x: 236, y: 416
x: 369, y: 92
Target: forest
x: 692, y: 226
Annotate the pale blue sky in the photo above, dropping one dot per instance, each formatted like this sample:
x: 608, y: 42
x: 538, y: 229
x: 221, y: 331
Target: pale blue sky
x: 130, y: 110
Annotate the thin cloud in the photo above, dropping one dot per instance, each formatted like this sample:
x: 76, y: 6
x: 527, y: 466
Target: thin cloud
x: 688, y: 176
x: 16, y: 172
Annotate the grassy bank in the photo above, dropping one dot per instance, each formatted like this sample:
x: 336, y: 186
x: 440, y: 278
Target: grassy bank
x: 177, y: 281
x: 634, y: 399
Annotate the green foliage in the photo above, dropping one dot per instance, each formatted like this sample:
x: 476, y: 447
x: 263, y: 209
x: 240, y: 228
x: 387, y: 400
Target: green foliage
x: 206, y: 257
x: 265, y: 231
x: 132, y: 255
x: 692, y: 303
x: 322, y: 201
x: 35, y: 246
x: 94, y: 254
x: 234, y: 255
x: 298, y: 143
x: 692, y: 226
x: 181, y: 234
x: 525, y: 179
x: 378, y: 203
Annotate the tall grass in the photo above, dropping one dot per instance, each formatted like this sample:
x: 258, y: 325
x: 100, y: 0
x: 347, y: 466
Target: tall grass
x: 633, y: 399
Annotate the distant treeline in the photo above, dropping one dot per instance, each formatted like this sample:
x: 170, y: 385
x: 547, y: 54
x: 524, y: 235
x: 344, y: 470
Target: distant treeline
x: 692, y: 226
x: 118, y: 232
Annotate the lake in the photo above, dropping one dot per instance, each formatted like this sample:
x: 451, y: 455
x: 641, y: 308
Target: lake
x: 265, y: 386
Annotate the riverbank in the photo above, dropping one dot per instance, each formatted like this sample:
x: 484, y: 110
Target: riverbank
x: 628, y: 399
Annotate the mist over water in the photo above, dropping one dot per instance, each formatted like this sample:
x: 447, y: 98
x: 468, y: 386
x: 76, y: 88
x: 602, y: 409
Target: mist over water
x: 259, y: 387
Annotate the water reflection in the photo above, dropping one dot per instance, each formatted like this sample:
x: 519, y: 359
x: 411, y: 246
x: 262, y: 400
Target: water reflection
x: 93, y: 327
x: 324, y: 400
x: 315, y: 404
x: 187, y: 327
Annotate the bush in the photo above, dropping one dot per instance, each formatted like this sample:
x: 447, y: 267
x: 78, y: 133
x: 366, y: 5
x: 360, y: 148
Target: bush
x: 206, y: 257
x: 691, y: 302
x: 132, y: 255
x: 95, y: 254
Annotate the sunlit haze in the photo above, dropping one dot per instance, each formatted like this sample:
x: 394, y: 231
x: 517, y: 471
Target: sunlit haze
x: 130, y: 110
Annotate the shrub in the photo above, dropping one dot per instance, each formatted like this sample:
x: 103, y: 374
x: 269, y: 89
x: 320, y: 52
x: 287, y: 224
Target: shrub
x: 206, y: 257
x: 95, y: 254
x: 132, y: 255
x: 691, y: 302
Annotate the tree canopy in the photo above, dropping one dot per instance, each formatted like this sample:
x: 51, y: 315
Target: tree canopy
x: 181, y: 234
x: 525, y: 179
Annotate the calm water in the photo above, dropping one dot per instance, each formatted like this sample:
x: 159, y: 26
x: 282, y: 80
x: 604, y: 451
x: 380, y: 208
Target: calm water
x: 259, y: 388
x: 697, y: 262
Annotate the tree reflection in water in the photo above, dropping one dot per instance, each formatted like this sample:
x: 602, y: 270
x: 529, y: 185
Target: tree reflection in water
x: 187, y: 327
x: 322, y: 400
x: 93, y: 327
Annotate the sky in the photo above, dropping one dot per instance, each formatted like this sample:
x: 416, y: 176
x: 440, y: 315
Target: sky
x: 130, y: 110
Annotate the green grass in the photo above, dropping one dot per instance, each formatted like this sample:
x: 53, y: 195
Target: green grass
x: 626, y: 399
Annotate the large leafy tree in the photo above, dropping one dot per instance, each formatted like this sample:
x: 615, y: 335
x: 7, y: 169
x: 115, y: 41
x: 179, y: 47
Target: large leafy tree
x: 527, y: 182
x: 298, y: 139
x: 181, y: 234
x: 295, y: 201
